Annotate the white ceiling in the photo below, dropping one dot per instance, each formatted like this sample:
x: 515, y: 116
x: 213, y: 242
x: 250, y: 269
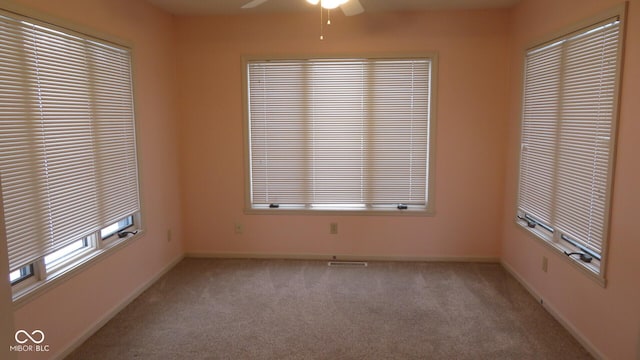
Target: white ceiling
x: 209, y: 7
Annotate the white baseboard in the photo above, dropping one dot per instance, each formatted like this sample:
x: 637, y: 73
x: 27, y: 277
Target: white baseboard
x: 557, y: 315
x: 232, y: 255
x: 114, y: 311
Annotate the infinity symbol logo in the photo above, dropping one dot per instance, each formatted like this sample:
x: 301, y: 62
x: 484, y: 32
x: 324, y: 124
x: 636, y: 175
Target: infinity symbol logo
x: 29, y: 336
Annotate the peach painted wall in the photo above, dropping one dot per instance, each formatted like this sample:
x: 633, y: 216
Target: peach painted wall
x: 471, y: 123
x: 67, y: 311
x: 607, y: 318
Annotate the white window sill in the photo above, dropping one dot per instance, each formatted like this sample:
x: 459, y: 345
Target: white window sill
x: 364, y: 211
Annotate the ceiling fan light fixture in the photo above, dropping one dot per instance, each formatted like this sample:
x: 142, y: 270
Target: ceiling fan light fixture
x: 330, y: 4
x: 313, y: 2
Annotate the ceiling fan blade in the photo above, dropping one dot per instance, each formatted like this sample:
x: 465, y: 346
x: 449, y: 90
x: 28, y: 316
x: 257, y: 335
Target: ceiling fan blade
x: 352, y: 7
x: 253, y: 3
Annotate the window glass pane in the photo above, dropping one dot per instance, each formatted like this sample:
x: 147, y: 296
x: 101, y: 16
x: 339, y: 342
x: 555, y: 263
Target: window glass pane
x: 21, y: 274
x: 65, y: 251
x: 15, y: 276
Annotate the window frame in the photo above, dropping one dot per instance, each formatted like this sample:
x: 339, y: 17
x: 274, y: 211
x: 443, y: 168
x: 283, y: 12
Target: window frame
x: 387, y: 210
x: 43, y: 276
x: 554, y: 240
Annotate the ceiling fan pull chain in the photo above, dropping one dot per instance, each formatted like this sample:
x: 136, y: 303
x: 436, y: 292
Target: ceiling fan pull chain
x: 321, y: 24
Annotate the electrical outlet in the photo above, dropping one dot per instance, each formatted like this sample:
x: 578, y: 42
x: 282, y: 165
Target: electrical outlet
x: 239, y: 228
x: 333, y: 228
x: 545, y: 264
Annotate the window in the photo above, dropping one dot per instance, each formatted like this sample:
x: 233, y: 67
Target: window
x: 568, y: 141
x: 68, y: 160
x: 340, y: 135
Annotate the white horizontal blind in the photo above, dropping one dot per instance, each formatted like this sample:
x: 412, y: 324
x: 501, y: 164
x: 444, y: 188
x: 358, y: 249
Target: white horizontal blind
x: 541, y: 110
x: 567, y: 134
x: 345, y: 133
x: 67, y: 139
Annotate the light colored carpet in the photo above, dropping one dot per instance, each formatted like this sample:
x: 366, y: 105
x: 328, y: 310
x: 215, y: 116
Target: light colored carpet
x: 285, y: 309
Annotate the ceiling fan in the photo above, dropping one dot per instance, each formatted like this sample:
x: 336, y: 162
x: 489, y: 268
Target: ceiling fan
x: 349, y: 7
